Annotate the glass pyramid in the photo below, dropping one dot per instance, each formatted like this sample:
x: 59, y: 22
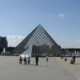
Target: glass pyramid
x: 38, y: 42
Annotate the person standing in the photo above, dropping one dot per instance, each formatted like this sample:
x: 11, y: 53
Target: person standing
x: 74, y: 58
x: 37, y: 60
x: 25, y: 60
x: 20, y: 60
x: 46, y: 58
x: 29, y: 60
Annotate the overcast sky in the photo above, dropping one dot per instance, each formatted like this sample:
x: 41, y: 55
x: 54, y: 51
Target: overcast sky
x: 61, y: 19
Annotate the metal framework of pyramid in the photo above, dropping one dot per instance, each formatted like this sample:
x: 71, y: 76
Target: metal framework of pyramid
x: 38, y: 37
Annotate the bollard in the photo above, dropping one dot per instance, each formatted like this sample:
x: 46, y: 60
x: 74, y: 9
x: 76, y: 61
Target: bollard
x: 61, y: 57
x: 65, y: 59
x: 71, y: 61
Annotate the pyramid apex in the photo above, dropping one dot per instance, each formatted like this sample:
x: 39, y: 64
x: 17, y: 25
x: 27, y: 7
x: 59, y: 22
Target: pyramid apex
x: 39, y: 25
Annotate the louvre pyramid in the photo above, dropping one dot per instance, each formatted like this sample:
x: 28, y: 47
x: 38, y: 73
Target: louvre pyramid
x: 37, y: 37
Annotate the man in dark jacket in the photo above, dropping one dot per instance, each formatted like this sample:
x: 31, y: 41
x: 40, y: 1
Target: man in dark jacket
x: 25, y: 60
x: 37, y: 60
x: 20, y: 60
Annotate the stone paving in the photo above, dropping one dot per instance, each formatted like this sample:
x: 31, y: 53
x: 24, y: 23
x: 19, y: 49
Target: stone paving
x: 73, y: 68
x: 10, y: 69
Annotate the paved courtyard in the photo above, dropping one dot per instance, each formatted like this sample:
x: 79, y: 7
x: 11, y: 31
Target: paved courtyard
x: 73, y: 68
x: 10, y: 69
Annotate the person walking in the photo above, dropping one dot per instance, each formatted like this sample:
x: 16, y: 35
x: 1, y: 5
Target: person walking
x: 74, y: 58
x: 46, y: 58
x: 25, y: 60
x: 20, y: 60
x: 37, y: 60
x: 29, y: 60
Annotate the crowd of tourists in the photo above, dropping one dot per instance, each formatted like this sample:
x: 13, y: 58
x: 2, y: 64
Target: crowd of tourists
x: 27, y: 60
